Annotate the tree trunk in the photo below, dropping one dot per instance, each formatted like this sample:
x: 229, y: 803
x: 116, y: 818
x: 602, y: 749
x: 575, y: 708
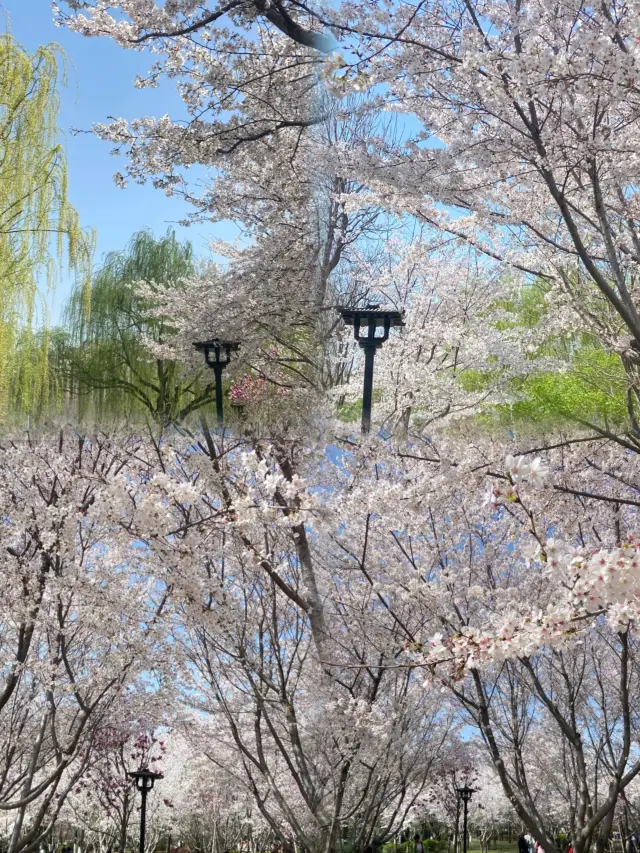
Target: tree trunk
x: 26, y: 788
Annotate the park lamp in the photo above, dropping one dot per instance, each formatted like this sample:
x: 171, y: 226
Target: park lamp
x: 217, y: 354
x: 465, y: 793
x: 145, y: 780
x: 365, y: 322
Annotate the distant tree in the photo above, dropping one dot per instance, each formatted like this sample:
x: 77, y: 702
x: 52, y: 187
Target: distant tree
x: 572, y: 380
x: 39, y: 229
x: 102, y: 357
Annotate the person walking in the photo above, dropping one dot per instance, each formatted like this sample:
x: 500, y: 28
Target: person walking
x: 523, y: 847
x: 417, y: 844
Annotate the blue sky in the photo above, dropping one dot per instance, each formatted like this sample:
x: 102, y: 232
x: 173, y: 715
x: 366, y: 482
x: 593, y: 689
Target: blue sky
x: 101, y: 78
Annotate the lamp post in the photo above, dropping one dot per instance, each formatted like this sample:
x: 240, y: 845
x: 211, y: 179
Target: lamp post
x: 372, y: 316
x: 144, y: 779
x: 465, y: 795
x: 217, y: 354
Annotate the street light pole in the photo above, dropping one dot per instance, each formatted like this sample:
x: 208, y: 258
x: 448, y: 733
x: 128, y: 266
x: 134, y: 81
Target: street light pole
x: 373, y: 316
x: 369, y: 344
x: 465, y: 795
x: 217, y: 354
x: 144, y: 779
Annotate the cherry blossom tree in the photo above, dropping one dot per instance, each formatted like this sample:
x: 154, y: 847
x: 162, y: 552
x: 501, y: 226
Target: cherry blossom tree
x: 556, y: 655
x: 523, y: 123
x: 70, y: 616
x: 332, y: 597
x: 119, y: 747
x: 423, y: 570
x: 489, y: 809
x: 317, y: 608
x: 527, y: 116
x: 315, y: 743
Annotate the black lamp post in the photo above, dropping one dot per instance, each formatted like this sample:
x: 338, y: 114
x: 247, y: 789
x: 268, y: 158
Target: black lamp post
x: 217, y: 354
x: 372, y: 316
x: 465, y: 795
x: 144, y: 779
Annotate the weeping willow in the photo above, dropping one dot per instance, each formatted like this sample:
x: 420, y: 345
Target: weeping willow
x: 39, y: 229
x: 109, y: 371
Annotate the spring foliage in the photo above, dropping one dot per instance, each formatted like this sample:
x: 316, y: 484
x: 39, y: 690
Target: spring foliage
x: 102, y: 355
x: 39, y: 229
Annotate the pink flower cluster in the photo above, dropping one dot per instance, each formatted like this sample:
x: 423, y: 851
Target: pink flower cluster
x: 247, y: 390
x: 250, y: 389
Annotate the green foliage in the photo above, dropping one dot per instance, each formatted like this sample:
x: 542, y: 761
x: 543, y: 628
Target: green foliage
x: 528, y: 308
x: 352, y: 412
x: 430, y: 845
x: 35, y: 389
x: 590, y: 388
x: 473, y: 380
x: 349, y: 412
x: 39, y: 229
x: 103, y: 354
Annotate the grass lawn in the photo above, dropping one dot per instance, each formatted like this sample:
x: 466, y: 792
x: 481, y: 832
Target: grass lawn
x: 500, y: 846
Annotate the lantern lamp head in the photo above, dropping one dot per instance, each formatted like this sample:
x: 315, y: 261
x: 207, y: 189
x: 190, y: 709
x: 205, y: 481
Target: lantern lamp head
x: 372, y: 311
x: 371, y: 317
x: 466, y: 793
x: 217, y: 352
x: 144, y: 778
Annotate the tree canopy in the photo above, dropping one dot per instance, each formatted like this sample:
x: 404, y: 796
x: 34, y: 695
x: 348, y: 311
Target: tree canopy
x: 102, y: 354
x: 39, y: 229
x: 337, y: 629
